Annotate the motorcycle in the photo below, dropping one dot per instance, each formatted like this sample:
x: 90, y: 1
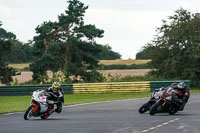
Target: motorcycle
x: 155, y: 95
x: 40, y: 105
x: 165, y: 103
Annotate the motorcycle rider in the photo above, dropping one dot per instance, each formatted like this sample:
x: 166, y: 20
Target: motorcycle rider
x: 56, y: 93
x: 183, y: 94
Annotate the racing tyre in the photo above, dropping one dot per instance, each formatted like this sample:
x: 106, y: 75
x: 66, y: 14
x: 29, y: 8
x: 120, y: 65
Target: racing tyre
x: 29, y: 112
x: 44, y: 116
x: 173, y: 111
x: 153, y: 109
x: 144, y: 108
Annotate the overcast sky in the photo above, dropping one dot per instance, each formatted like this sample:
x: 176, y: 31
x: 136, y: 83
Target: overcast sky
x: 128, y: 24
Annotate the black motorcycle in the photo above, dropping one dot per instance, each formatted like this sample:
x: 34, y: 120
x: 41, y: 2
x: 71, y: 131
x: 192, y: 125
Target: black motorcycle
x: 165, y: 103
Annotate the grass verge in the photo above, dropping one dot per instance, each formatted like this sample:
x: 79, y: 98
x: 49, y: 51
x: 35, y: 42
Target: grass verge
x: 21, y: 103
x: 195, y: 90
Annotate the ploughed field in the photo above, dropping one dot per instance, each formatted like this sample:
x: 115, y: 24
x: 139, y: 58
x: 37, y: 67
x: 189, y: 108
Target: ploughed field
x: 126, y: 72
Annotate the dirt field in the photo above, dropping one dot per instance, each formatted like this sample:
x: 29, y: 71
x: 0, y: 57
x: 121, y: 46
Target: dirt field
x: 24, y: 77
x: 127, y: 72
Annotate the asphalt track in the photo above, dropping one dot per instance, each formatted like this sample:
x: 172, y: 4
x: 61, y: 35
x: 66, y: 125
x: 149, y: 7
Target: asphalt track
x: 108, y: 117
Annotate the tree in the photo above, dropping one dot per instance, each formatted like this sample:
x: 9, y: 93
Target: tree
x: 143, y: 54
x: 6, y: 73
x: 107, y: 53
x: 175, y: 50
x: 67, y: 45
x: 20, y: 53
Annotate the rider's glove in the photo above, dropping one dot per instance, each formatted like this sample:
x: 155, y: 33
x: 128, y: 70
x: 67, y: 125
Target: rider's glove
x: 50, y: 102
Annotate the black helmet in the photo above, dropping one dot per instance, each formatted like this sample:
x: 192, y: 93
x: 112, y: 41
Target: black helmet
x: 174, y: 85
x: 181, y: 85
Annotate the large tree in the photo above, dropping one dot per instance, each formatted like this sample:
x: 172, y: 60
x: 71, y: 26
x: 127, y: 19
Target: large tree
x: 175, y: 51
x: 67, y: 45
x: 6, y: 39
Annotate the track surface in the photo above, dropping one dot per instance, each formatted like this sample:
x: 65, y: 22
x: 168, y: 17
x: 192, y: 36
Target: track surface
x: 108, y: 117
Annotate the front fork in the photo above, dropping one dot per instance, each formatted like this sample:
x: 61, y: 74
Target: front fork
x: 162, y: 102
x: 165, y: 105
x: 36, y: 109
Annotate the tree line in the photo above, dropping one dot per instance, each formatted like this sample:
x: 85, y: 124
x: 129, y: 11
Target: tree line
x: 16, y: 51
x: 175, y: 50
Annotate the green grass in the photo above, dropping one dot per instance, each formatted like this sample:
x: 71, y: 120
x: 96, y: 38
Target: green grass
x: 14, y: 103
x: 21, y: 103
x: 195, y: 90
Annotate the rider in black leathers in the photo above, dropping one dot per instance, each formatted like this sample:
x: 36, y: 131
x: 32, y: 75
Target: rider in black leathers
x: 183, y: 94
x: 56, y: 93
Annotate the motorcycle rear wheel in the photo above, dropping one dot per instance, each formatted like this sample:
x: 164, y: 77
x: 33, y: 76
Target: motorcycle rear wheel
x: 173, y: 111
x: 28, y: 113
x: 44, y: 116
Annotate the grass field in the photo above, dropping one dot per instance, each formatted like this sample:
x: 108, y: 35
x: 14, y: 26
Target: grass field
x: 21, y: 103
x: 19, y: 66
x: 123, y: 62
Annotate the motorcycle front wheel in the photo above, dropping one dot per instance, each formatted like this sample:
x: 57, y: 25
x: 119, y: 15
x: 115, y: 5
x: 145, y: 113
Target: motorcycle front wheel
x: 29, y: 112
x: 153, y: 109
x: 144, y: 108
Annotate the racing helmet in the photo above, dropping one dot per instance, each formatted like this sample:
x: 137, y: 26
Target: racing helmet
x: 174, y: 85
x: 181, y: 85
x: 56, y: 86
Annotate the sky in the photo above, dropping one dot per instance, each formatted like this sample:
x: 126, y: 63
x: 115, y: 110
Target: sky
x: 128, y: 24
